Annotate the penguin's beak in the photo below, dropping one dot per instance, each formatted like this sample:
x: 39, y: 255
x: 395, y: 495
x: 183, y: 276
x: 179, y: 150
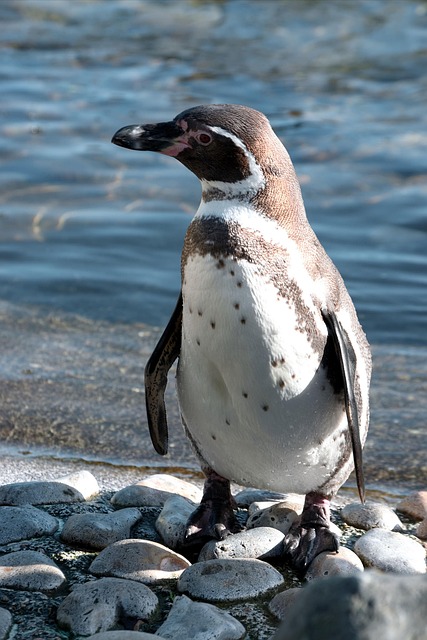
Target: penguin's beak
x: 164, y: 137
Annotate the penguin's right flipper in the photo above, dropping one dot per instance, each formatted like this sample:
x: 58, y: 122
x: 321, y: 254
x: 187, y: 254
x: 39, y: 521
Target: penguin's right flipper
x: 156, y: 378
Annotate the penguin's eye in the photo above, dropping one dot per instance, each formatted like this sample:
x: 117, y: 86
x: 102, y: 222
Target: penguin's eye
x: 204, y: 138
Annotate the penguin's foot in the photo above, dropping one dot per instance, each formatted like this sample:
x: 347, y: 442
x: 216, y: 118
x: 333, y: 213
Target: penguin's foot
x: 310, y: 534
x: 214, y: 517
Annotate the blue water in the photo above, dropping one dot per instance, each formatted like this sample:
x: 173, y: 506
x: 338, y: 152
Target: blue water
x: 95, y: 231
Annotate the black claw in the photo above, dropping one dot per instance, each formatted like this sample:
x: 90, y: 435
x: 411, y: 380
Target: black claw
x: 211, y: 521
x: 214, y: 518
x: 310, y: 535
x: 304, y: 544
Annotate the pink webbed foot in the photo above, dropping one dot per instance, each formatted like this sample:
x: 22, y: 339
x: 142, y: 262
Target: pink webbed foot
x: 310, y: 534
x: 214, y: 517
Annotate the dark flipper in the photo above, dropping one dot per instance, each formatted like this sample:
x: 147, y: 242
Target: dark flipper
x: 214, y: 517
x: 347, y: 360
x: 156, y: 378
x: 310, y: 534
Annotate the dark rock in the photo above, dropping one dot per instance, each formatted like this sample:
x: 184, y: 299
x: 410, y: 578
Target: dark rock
x: 22, y: 523
x: 366, y: 606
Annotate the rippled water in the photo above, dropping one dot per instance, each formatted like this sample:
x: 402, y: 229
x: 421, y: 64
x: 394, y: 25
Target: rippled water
x: 91, y: 234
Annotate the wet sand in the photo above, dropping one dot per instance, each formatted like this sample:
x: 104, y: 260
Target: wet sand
x: 72, y: 396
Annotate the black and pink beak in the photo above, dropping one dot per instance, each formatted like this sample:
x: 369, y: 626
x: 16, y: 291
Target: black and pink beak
x: 164, y: 137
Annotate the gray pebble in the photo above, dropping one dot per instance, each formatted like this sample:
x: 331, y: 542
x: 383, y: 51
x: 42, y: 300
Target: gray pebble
x: 277, y: 516
x: 75, y: 487
x: 283, y: 602
x: 22, y: 523
x: 389, y: 551
x: 140, y: 560
x: 229, y: 580
x: 245, y: 497
x: 199, y: 621
x: 344, y: 562
x: 262, y: 542
x: 154, y: 491
x: 414, y: 505
x: 98, y: 530
x: 30, y: 571
x: 172, y: 521
x: 5, y: 623
x: 371, y: 515
x: 102, y: 604
x: 365, y: 606
x: 421, y: 531
x: 125, y: 635
x: 254, y: 507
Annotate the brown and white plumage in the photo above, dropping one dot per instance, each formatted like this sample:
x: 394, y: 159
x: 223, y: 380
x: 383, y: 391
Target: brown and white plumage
x: 274, y: 368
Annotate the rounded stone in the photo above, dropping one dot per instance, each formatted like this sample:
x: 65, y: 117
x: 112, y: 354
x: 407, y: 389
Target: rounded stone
x: 371, y: 516
x: 245, y: 497
x: 414, y: 505
x: 369, y: 605
x: 30, y: 571
x: 154, y: 491
x: 283, y: 602
x: 389, y: 551
x: 199, y: 621
x: 98, y: 530
x: 229, y: 580
x: 277, y: 516
x: 75, y: 487
x: 262, y: 542
x: 83, y: 481
x: 102, y: 604
x: 342, y: 563
x: 5, y: 623
x: 23, y: 523
x: 125, y: 635
x: 421, y: 531
x: 140, y: 560
x: 172, y: 521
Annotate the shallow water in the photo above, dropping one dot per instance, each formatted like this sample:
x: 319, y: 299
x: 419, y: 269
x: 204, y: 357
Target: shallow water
x: 91, y: 234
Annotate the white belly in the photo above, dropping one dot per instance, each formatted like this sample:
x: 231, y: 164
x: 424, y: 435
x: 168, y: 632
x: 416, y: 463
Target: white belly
x: 256, y: 401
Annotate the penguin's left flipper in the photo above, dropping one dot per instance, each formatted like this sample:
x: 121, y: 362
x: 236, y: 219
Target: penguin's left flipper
x: 156, y: 377
x: 311, y: 534
x: 347, y: 359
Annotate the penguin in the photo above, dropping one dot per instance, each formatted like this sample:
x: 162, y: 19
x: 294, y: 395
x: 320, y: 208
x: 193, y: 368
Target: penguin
x: 273, y: 366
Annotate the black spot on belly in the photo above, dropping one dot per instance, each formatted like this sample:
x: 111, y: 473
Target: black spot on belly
x: 213, y: 325
x: 213, y: 436
x: 198, y: 342
x: 231, y: 272
x: 200, y: 313
x: 236, y: 305
x: 281, y: 383
x: 243, y: 320
x: 239, y: 284
x: 220, y: 264
x: 227, y: 421
x: 244, y: 394
x: 265, y: 407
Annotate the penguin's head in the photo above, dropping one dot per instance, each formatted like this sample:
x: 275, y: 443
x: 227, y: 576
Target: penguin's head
x: 219, y: 143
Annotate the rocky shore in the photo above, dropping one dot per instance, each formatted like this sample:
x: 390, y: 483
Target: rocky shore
x: 81, y: 561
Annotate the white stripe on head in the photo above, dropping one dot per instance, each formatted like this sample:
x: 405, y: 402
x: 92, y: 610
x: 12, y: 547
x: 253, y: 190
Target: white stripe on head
x: 247, y: 187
